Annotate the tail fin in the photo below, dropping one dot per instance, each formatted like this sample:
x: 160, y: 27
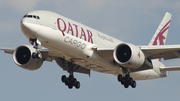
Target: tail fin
x: 160, y: 35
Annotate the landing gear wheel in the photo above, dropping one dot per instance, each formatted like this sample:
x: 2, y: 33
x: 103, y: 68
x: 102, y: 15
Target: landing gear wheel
x: 126, y: 85
x: 133, y: 85
x: 120, y: 78
x: 63, y: 78
x: 122, y: 82
x: 74, y: 81
x: 77, y: 85
x: 70, y: 86
x: 66, y: 83
x: 34, y: 55
x: 130, y: 81
x: 38, y: 55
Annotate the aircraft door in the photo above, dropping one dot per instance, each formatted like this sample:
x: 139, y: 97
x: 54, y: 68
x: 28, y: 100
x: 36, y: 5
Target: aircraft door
x: 54, y: 24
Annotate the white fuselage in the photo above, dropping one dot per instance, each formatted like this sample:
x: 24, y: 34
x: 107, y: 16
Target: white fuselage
x: 78, y: 43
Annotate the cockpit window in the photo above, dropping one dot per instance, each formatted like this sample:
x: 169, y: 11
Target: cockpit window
x: 25, y: 16
x: 31, y: 16
x: 34, y: 16
x: 38, y: 17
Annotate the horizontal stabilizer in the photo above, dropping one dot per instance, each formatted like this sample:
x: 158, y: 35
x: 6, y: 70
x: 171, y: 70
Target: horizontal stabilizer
x: 175, y: 68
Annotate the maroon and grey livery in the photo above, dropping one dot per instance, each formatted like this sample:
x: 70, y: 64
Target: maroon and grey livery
x: 78, y: 48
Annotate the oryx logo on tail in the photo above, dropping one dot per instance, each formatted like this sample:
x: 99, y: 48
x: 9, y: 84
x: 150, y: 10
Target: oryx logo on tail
x: 160, y: 35
x: 159, y: 40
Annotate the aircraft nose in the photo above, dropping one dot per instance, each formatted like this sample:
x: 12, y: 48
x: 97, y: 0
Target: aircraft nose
x: 29, y: 29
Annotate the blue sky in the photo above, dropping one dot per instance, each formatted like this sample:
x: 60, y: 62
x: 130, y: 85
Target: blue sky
x: 133, y: 21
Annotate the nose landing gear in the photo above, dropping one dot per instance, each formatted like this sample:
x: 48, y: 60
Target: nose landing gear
x: 36, y: 54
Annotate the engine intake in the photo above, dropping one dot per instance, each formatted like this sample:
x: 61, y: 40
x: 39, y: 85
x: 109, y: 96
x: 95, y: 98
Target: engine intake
x: 23, y: 57
x: 128, y: 55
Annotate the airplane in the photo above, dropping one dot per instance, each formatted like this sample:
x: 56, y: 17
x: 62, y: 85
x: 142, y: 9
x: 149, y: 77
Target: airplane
x: 78, y: 48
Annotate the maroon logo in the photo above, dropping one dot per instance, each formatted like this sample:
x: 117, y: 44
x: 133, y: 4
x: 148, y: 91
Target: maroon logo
x: 139, y: 54
x: 160, y: 35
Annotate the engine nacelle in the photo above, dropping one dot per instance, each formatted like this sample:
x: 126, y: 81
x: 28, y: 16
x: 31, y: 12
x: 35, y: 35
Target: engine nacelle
x: 129, y: 55
x: 23, y: 57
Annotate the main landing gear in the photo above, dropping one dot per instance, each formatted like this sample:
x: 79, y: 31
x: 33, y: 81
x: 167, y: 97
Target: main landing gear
x: 126, y: 81
x: 70, y: 81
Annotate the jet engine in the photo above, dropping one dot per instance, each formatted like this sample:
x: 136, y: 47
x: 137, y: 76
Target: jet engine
x: 129, y: 55
x: 27, y: 57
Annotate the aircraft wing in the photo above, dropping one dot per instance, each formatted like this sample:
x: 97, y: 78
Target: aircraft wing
x: 51, y: 55
x: 162, y: 51
x: 153, y: 52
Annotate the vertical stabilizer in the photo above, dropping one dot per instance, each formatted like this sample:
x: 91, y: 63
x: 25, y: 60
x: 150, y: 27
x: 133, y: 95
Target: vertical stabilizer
x: 160, y: 35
